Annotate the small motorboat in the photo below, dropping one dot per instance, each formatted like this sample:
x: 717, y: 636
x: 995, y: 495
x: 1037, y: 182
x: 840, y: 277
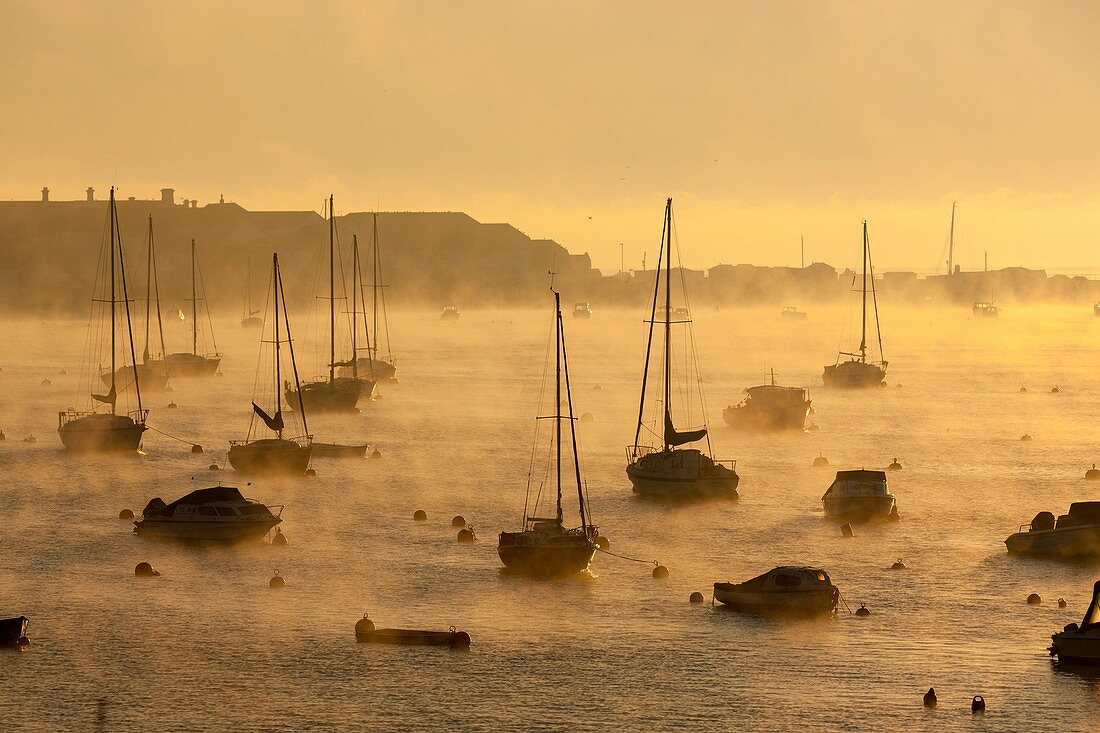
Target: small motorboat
x: 1076, y: 534
x: 365, y: 633
x: 450, y: 313
x: 219, y: 513
x: 784, y: 590
x: 859, y: 495
x: 336, y: 450
x: 985, y: 310
x: 790, y: 313
x: 13, y: 631
x: 582, y: 310
x: 1080, y: 643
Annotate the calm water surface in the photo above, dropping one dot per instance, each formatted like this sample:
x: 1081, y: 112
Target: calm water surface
x: 209, y: 647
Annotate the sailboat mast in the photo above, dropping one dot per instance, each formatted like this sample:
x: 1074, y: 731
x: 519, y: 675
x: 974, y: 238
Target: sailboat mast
x: 354, y: 305
x: 668, y: 319
x: 863, y: 322
x: 194, y: 305
x: 331, y: 292
x: 374, y: 306
x: 572, y: 423
x: 126, y: 304
x: 557, y: 393
x: 278, y: 373
x: 148, y: 290
x: 293, y: 361
x: 111, y: 216
x: 951, y: 243
x: 248, y: 290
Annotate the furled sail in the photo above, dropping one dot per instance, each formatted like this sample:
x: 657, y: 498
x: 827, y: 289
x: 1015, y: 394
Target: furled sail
x: 108, y: 398
x: 674, y: 437
x: 275, y: 423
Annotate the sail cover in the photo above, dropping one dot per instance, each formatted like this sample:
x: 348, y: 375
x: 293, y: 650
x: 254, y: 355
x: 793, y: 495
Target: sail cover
x: 673, y: 437
x: 275, y: 423
x: 108, y: 398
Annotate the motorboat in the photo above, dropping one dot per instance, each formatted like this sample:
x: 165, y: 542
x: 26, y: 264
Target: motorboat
x: 859, y: 371
x: 770, y: 407
x: 790, y: 313
x: 450, y: 313
x: 657, y: 464
x: 338, y: 450
x: 545, y: 546
x: 13, y: 631
x: 582, y: 310
x: 1080, y: 643
x: 280, y: 454
x: 782, y: 590
x: 985, y: 310
x: 1076, y: 534
x: 859, y: 495
x: 90, y: 431
x: 218, y: 513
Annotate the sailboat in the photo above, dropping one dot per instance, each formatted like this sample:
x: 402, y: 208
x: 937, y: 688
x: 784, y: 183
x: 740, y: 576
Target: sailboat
x: 335, y: 394
x: 153, y: 374
x: 858, y: 371
x: 89, y: 430
x: 359, y: 368
x: 280, y: 454
x: 545, y: 546
x: 192, y: 363
x: 373, y: 364
x: 250, y: 318
x: 666, y: 470
x: 987, y: 309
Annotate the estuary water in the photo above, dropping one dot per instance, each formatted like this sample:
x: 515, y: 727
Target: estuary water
x: 208, y: 646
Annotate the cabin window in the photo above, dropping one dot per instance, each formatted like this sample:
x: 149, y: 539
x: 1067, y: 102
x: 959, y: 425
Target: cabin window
x: 252, y: 509
x: 226, y: 511
x: 787, y: 581
x: 207, y: 511
x: 821, y: 576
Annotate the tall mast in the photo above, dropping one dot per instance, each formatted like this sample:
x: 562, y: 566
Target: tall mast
x: 374, y: 306
x: 951, y: 243
x: 572, y: 424
x: 331, y: 292
x: 293, y: 362
x: 863, y: 322
x: 278, y: 374
x: 668, y: 319
x: 652, y: 320
x: 355, y: 280
x: 194, y: 305
x: 126, y: 303
x: 248, y: 290
x: 148, y: 289
x: 557, y: 391
x: 111, y: 216
x: 802, y: 250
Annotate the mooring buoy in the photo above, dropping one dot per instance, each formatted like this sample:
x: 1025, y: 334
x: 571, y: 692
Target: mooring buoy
x: 930, y: 698
x: 977, y: 705
x: 458, y: 521
x: 196, y: 448
x: 126, y: 514
x: 364, y: 625
x: 899, y: 565
x: 420, y: 516
x: 279, y: 538
x: 1061, y: 603
x: 145, y: 570
x: 895, y: 466
x: 821, y: 461
x: 695, y: 598
x: 1093, y: 474
x: 602, y: 542
x: 863, y: 611
x: 1034, y: 599
x: 466, y: 535
x: 276, y: 581
x: 660, y: 572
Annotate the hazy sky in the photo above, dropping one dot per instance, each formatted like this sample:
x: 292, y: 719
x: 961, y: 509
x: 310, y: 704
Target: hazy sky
x: 573, y: 120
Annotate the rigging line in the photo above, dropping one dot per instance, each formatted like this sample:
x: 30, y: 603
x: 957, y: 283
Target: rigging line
x: 260, y: 356
x: 209, y: 316
x: 290, y: 345
x: 627, y: 557
x: 168, y: 435
x: 535, y: 438
x: 382, y: 295
x: 874, y: 300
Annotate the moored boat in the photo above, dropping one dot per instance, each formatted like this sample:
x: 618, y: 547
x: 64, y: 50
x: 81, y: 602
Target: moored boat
x: 858, y: 372
x: 770, y: 407
x: 859, y: 495
x: 790, y: 313
x: 337, y: 450
x: 450, y: 313
x: 365, y: 633
x: 582, y: 310
x: 785, y: 590
x: 985, y: 310
x: 219, y: 513
x: 191, y: 363
x: 1080, y: 643
x: 1076, y: 534
x: 545, y: 546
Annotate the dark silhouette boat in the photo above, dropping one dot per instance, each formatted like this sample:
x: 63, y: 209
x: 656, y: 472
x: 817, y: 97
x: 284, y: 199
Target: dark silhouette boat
x: 545, y: 546
x: 334, y: 394
x: 1076, y: 534
x: 218, y: 513
x: 786, y: 590
x: 665, y: 469
x: 187, y: 364
x: 13, y: 631
x: 1080, y: 643
x: 770, y: 407
x: 278, y: 454
x: 858, y: 372
x: 90, y: 431
x: 250, y: 318
x: 372, y: 366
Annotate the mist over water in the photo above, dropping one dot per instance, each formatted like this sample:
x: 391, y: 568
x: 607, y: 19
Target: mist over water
x: 208, y: 646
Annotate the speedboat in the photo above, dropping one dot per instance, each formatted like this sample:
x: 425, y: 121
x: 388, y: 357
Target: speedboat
x: 771, y: 407
x: 217, y: 513
x: 1076, y: 534
x: 1080, y: 643
x: 859, y: 495
x: 450, y: 313
x: 782, y: 590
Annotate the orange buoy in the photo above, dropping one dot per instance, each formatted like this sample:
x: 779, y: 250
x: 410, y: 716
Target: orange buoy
x: 126, y: 514
x: 276, y: 581
x: 420, y: 516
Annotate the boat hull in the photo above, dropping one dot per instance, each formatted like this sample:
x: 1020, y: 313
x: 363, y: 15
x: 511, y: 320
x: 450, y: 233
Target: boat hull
x: 377, y: 370
x: 814, y: 602
x: 1074, y: 647
x: 775, y: 418
x: 854, y: 375
x: 101, y: 433
x: 213, y: 530
x: 252, y: 322
x: 1067, y: 542
x: 272, y: 457
x: 859, y: 508
x: 406, y: 637
x: 681, y: 475
x: 192, y: 365
x: 333, y: 450
x: 13, y: 631
x: 151, y: 377
x: 339, y: 395
x: 544, y: 559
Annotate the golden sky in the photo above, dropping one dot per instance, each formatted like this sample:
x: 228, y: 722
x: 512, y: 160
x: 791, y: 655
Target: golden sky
x: 574, y: 120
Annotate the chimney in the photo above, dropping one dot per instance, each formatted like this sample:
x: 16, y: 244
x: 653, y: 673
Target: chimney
x: 221, y: 198
x: 194, y: 203
x: 45, y: 195
x: 168, y: 196
x: 91, y: 193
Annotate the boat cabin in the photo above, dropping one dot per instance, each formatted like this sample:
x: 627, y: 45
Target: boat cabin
x: 222, y: 502
x: 857, y: 483
x: 582, y: 310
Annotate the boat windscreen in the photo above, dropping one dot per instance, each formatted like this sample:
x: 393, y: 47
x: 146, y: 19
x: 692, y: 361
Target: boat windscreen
x: 1085, y: 512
